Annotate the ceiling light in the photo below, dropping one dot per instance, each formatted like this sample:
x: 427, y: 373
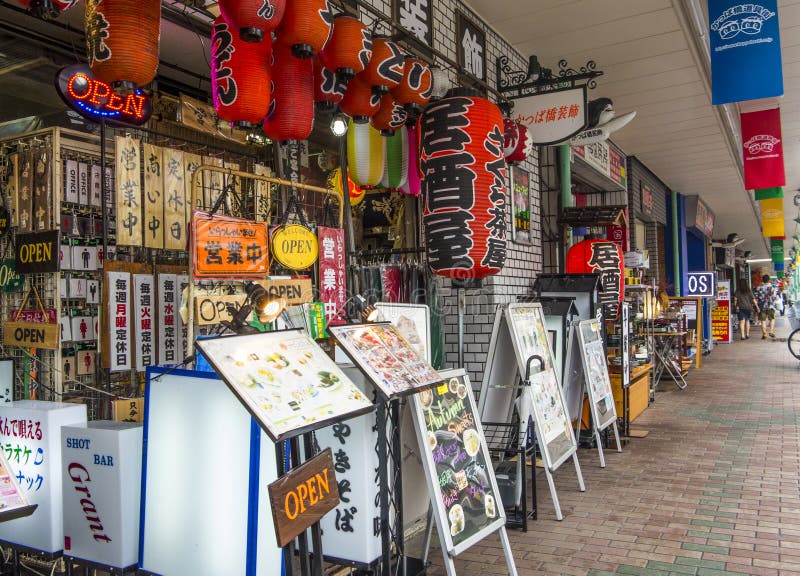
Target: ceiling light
x: 757, y: 260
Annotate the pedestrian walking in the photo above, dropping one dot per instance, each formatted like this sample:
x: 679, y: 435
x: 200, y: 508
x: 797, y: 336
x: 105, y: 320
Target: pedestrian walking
x: 765, y: 300
x: 745, y: 303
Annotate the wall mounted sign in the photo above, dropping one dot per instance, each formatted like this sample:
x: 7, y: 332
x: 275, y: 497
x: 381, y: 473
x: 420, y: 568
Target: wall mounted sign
x: 332, y: 273
x: 470, y: 47
x: 699, y: 216
x: 37, y: 252
x: 745, y: 50
x: 646, y: 199
x: 416, y: 16
x: 303, y: 496
x: 553, y: 117
x: 606, y: 159
x: 228, y: 248
x: 97, y: 101
x: 10, y: 281
x: 294, y: 246
x: 618, y: 234
x: 128, y: 180
x: 762, y: 148
x: 721, y: 314
x: 701, y: 284
x: 521, y: 205
x: 119, y: 313
x: 144, y: 321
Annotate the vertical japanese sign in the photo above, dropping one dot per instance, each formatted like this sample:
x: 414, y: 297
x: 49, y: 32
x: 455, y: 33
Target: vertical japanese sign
x: 71, y: 184
x: 13, y: 188
x: 520, y: 188
x: 129, y: 192
x: 471, y: 47
x: 26, y: 191
x: 762, y: 149
x: 332, y: 273
x: 192, y: 191
x: 153, y: 197
x: 416, y: 16
x: 212, y: 182
x: 182, y: 330
x: 721, y: 314
x: 95, y: 190
x: 83, y: 183
x: 119, y: 308
x: 167, y: 323
x: 42, y: 189
x: 262, y: 194
x: 175, y: 198
x: 745, y: 50
x: 144, y: 322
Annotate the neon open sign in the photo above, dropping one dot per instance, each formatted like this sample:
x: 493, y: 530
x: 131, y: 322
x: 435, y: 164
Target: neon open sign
x: 96, y: 100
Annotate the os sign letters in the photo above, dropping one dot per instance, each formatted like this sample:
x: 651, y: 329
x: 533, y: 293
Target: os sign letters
x: 701, y: 285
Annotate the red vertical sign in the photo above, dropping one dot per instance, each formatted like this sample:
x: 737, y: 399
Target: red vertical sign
x: 763, y: 149
x: 332, y: 273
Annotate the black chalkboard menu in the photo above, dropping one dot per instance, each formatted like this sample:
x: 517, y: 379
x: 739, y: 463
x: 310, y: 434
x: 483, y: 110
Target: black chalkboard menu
x: 457, y: 463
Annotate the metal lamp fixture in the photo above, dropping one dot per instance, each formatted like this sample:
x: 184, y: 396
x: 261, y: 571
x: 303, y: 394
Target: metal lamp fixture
x: 339, y: 124
x: 266, y: 307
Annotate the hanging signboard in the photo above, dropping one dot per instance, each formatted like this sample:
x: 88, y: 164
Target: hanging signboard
x: 167, y: 322
x: 701, y: 284
x: 144, y: 321
x: 553, y: 117
x: 285, y: 380
x: 388, y: 360
x: 153, y: 197
x: 294, y: 246
x: 745, y: 37
x: 34, y: 328
x: 119, y: 308
x: 303, y: 496
x: 10, y: 281
x: 332, y: 274
x: 458, y: 466
x: 776, y: 249
x: 772, y: 218
x: 762, y: 146
x: 227, y: 248
x: 721, y: 314
x: 128, y: 180
x: 37, y: 252
x: 174, y: 200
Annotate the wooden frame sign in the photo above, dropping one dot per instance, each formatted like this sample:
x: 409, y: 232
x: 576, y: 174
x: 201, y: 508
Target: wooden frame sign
x: 303, y: 496
x: 27, y: 334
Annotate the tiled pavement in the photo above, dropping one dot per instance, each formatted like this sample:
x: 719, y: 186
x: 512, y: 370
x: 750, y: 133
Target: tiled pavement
x: 713, y: 489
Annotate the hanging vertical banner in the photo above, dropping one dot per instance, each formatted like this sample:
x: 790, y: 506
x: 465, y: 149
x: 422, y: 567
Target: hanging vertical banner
x: 763, y: 149
x: 212, y: 182
x: 721, y: 314
x: 776, y: 249
x: 182, y: 330
x: 772, y: 220
x: 745, y: 50
x: 167, y: 324
x: 26, y: 191
x: 143, y: 323
x: 71, y: 186
x: 767, y: 193
x: 42, y: 190
x: 261, y: 212
x: 192, y: 190
x: 119, y: 289
x: 129, y: 192
x: 332, y: 274
x: 13, y: 189
x: 153, y: 197
x: 175, y: 198
x: 95, y: 186
x: 83, y: 183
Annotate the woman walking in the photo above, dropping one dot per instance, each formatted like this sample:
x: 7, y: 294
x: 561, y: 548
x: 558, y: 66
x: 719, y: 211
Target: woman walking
x: 745, y: 303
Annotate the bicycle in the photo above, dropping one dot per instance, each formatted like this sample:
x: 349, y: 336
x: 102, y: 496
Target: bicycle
x: 793, y: 341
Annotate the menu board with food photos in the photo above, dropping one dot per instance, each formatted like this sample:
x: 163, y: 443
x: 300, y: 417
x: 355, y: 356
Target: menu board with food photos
x: 457, y: 464
x: 12, y: 502
x: 387, y: 359
x: 595, y: 369
x: 286, y: 381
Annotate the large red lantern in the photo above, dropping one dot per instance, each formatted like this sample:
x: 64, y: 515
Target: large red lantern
x: 291, y: 115
x: 240, y: 83
x: 349, y: 49
x: 605, y: 258
x: 360, y: 102
x: 122, y: 39
x: 386, y: 67
x: 328, y: 89
x: 464, y: 185
x: 306, y: 26
x: 416, y: 87
x: 252, y: 19
x: 390, y: 117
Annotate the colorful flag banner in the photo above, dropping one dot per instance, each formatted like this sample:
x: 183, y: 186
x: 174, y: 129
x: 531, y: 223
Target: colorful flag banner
x: 772, y: 225
x: 762, y: 144
x: 776, y: 249
x: 767, y: 193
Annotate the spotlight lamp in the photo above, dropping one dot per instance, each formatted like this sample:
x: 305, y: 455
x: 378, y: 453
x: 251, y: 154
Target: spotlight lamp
x: 371, y: 314
x: 266, y: 307
x: 339, y: 124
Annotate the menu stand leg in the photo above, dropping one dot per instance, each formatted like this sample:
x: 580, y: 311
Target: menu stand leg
x: 616, y: 435
x: 426, y: 542
x: 581, y: 485
x: 556, y: 505
x: 600, y: 447
x: 512, y: 568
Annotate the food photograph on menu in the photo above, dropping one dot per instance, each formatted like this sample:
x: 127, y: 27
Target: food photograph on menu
x: 286, y: 381
x: 457, y: 457
x: 386, y: 357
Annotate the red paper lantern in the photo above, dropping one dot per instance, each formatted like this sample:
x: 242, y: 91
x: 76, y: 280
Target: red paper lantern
x: 386, y: 67
x: 360, y: 102
x: 328, y: 88
x: 605, y: 258
x: 291, y: 115
x: 253, y: 19
x: 349, y: 49
x: 416, y: 87
x: 517, y: 149
x: 122, y: 39
x: 306, y: 26
x: 390, y: 117
x: 464, y: 183
x: 240, y: 82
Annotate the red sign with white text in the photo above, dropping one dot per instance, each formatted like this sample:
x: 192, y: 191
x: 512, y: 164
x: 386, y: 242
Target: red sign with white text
x: 763, y: 149
x: 332, y: 273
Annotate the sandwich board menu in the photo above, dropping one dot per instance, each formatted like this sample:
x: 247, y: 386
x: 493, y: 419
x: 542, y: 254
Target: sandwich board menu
x: 285, y: 380
x: 458, y: 467
x: 598, y: 383
x: 388, y: 360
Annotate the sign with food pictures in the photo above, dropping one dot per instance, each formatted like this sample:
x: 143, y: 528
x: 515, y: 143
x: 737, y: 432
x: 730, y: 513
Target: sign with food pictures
x: 286, y: 381
x: 229, y: 248
x: 457, y: 462
x: 595, y: 370
x: 303, y: 496
x: 388, y: 360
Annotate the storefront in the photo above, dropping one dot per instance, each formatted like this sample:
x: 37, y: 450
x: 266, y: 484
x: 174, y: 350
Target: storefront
x: 648, y: 210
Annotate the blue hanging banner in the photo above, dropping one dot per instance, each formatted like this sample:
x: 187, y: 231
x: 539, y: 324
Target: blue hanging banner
x: 745, y: 50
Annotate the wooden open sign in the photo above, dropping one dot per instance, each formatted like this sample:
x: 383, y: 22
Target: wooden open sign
x: 303, y: 496
x: 31, y: 334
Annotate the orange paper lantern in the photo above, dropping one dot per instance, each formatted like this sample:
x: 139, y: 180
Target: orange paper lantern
x: 386, y: 67
x: 390, y: 117
x: 349, y: 49
x: 306, y: 26
x: 416, y: 88
x: 360, y: 102
x: 291, y: 114
x: 122, y: 39
x: 253, y: 19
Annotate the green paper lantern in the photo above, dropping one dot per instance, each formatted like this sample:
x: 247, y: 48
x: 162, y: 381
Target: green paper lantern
x: 395, y: 167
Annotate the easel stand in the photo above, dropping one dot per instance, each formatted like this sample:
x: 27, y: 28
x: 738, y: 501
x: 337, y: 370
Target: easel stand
x: 597, y: 431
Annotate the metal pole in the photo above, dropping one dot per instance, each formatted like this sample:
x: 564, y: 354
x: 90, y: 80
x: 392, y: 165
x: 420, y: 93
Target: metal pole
x: 316, y: 532
x: 104, y: 209
x: 565, y: 177
x: 288, y: 551
x: 462, y: 309
x: 294, y: 447
x: 676, y: 259
x: 349, y: 234
x: 383, y: 463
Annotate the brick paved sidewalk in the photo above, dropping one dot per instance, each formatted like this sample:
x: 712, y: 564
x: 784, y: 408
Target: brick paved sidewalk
x: 712, y: 490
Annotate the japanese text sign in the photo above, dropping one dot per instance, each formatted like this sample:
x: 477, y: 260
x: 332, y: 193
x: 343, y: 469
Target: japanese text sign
x: 762, y: 149
x: 745, y: 50
x: 471, y: 47
x: 332, y: 273
x: 553, y: 117
x: 229, y: 248
x: 416, y: 16
x: 119, y: 316
x: 144, y: 306
x: 721, y: 314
